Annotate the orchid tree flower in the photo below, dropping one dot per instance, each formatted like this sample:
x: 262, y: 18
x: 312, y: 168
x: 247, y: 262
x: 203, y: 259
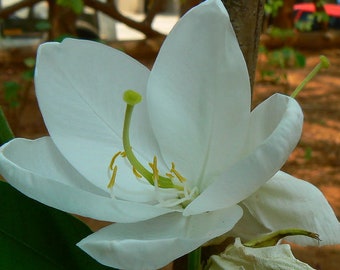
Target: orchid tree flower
x: 169, y: 155
x: 265, y: 258
x: 287, y: 202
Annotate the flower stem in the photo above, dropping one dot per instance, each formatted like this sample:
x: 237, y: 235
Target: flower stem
x: 194, y: 259
x: 6, y: 133
x: 324, y: 63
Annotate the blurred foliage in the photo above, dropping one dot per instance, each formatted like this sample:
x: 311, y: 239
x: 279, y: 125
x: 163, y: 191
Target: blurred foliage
x: 11, y: 93
x: 314, y: 21
x: 43, y: 26
x: 76, y: 5
x: 273, y: 64
x: 308, y: 153
x: 271, y: 7
x: 280, y: 33
x: 311, y: 21
x: 15, y: 91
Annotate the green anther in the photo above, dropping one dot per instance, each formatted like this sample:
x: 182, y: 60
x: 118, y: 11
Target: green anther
x: 273, y: 238
x: 132, y: 97
x: 324, y: 63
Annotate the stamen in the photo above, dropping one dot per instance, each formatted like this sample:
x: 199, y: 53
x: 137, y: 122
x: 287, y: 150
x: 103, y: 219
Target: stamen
x: 136, y: 173
x: 178, y: 175
x: 324, y: 63
x: 169, y: 175
x: 113, y: 159
x: 113, y: 178
x: 155, y: 174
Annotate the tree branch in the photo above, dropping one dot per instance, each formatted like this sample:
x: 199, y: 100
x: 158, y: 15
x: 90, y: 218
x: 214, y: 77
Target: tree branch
x: 112, y: 11
x: 155, y: 7
x: 4, y: 13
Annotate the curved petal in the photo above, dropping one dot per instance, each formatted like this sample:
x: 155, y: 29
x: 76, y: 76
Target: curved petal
x: 79, y: 86
x: 238, y: 257
x: 155, y: 243
x: 244, y: 231
x: 274, y: 131
x: 286, y: 202
x: 37, y: 169
x: 198, y: 94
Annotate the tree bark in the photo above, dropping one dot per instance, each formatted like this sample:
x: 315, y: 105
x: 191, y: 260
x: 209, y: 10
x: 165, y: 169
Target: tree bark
x: 188, y: 4
x: 285, y: 16
x: 246, y: 18
x: 62, y: 19
x: 111, y: 10
x: 153, y: 9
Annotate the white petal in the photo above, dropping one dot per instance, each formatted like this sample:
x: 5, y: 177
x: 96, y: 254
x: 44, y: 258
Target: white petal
x: 274, y: 132
x: 155, y: 243
x: 37, y: 169
x: 238, y: 257
x: 79, y: 87
x: 246, y: 232
x: 198, y: 94
x: 286, y: 202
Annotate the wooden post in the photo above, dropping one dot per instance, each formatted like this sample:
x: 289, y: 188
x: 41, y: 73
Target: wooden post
x: 246, y: 17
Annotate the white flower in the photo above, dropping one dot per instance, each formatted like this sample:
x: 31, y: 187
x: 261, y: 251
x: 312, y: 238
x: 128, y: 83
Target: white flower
x: 287, y: 202
x: 239, y: 257
x: 195, y: 114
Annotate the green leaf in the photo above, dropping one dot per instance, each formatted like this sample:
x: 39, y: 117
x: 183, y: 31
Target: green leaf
x: 12, y: 89
x: 29, y: 62
x: 35, y: 236
x: 28, y: 75
x: 300, y: 60
x: 76, y: 5
x: 43, y: 26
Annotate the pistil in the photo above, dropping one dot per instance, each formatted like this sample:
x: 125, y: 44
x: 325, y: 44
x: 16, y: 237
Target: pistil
x: 172, y: 180
x: 132, y: 98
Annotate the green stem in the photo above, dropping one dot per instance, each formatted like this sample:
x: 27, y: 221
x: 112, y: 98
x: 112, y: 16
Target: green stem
x: 194, y: 259
x: 324, y: 63
x: 128, y: 149
x: 6, y: 133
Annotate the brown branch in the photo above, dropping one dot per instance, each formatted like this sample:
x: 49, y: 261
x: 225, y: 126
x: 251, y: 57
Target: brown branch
x: 154, y: 8
x: 4, y: 13
x: 62, y: 20
x: 247, y: 31
x: 112, y: 11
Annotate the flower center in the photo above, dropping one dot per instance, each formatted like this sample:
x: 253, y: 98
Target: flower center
x: 173, y: 180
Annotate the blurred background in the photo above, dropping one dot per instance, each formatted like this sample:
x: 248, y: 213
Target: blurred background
x: 293, y: 35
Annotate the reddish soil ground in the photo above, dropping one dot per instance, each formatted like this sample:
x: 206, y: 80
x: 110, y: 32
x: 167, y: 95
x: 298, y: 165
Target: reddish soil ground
x: 316, y: 158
